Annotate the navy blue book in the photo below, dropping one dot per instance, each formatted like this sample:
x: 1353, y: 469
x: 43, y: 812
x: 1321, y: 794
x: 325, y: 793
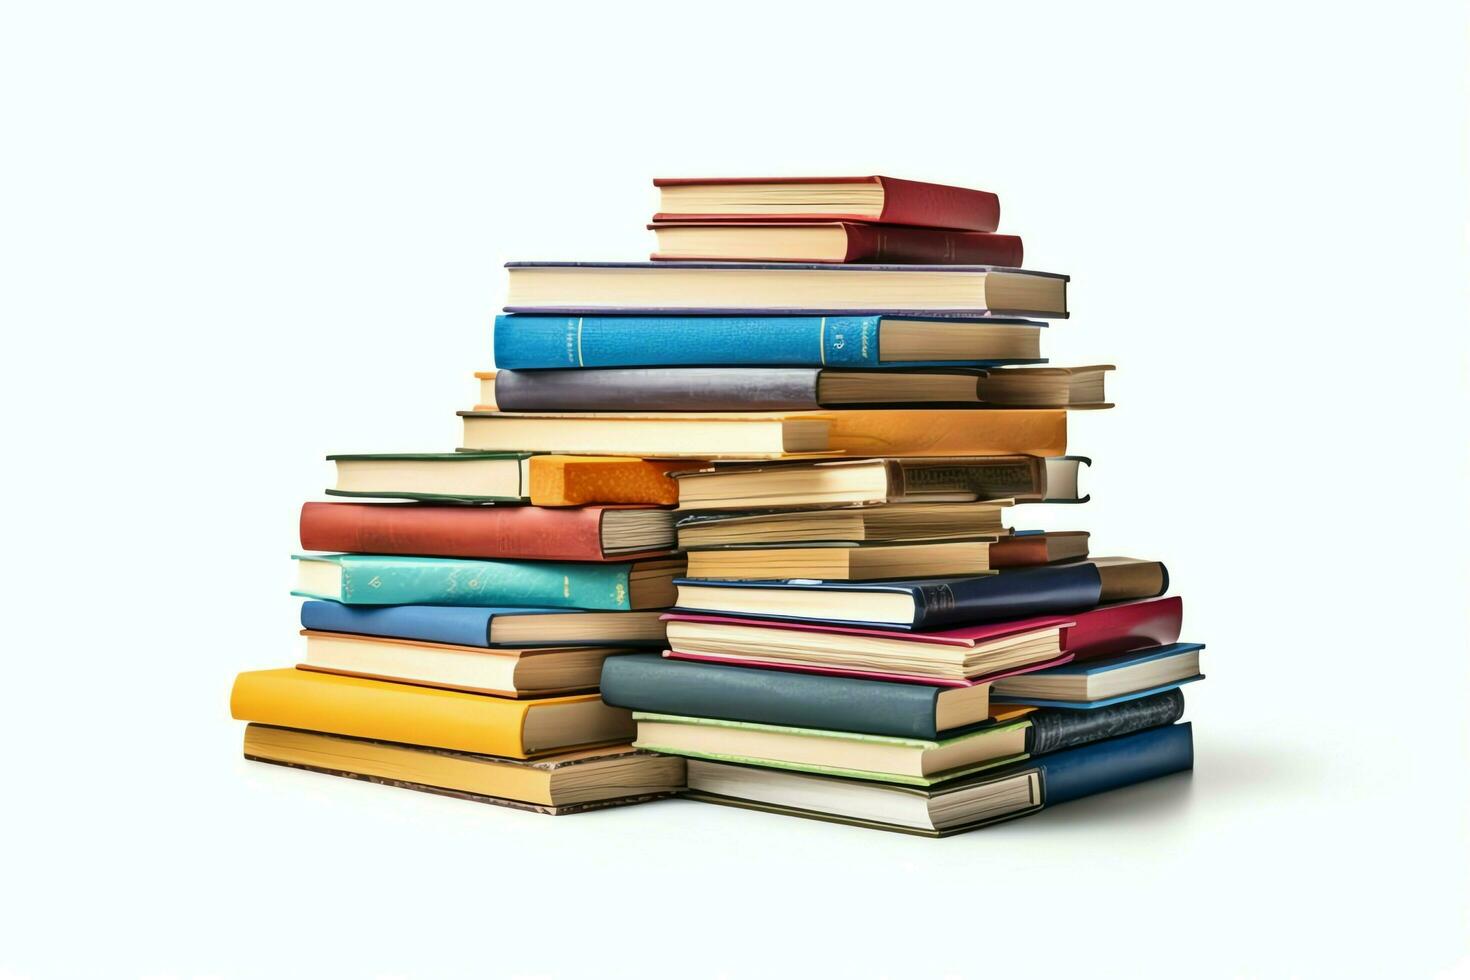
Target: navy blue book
x: 926, y: 604
x: 487, y: 626
x: 875, y: 341
x: 975, y: 801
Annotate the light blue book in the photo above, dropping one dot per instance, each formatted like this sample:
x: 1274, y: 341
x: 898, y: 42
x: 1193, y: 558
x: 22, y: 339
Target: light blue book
x: 528, y: 342
x: 385, y: 580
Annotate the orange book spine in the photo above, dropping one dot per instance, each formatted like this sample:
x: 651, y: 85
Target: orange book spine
x: 572, y: 481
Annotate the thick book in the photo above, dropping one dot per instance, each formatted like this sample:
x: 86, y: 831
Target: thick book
x: 385, y: 580
x: 568, y: 782
x: 553, y: 534
x: 1100, y: 682
x: 429, y: 716
x: 505, y: 672
x: 911, y: 656
x: 488, y: 626
x: 648, y: 682
x: 886, y: 758
x: 964, y: 804
x: 933, y: 603
x: 847, y: 482
x: 765, y: 435
x: 883, y: 522
x: 530, y: 342
x: 876, y: 198
x: 477, y: 477
x: 780, y: 288
x: 830, y: 241
x: 726, y: 389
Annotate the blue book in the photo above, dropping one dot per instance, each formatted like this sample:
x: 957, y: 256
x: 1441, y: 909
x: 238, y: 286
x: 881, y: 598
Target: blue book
x: 1099, y: 683
x: 488, y: 626
x: 384, y: 580
x: 984, y: 798
x: 924, y: 604
x: 533, y: 341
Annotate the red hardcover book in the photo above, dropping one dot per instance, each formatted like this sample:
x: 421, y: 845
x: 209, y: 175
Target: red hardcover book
x: 831, y: 241
x: 881, y: 200
x: 1102, y: 632
x: 550, y: 533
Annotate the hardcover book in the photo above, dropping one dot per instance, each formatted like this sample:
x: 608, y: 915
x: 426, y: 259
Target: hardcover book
x: 830, y: 241
x: 427, y: 716
x: 933, y: 603
x: 887, y: 654
x: 883, y: 522
x: 384, y: 580
x: 1100, y: 682
x: 782, y: 288
x: 526, y: 342
x: 568, y: 782
x: 553, y: 534
x: 488, y: 626
x: 843, y: 482
x: 574, y: 481
x: 843, y: 561
x: 755, y: 435
x: 886, y: 758
x: 726, y: 389
x: 872, y: 198
x: 964, y: 804
x: 490, y: 477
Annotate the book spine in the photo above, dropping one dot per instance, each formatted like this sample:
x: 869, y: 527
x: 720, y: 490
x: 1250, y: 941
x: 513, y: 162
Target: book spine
x: 368, y: 580
x: 1055, y: 729
x: 453, y: 532
x: 1116, y: 762
x: 927, y: 246
x: 988, y: 478
x: 1009, y: 595
x: 657, y: 684
x: 527, y: 342
x: 658, y: 390
x: 459, y: 625
x: 911, y: 202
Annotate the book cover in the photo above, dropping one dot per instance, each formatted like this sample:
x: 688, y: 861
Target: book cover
x: 457, y: 625
x: 399, y: 579
x: 572, y: 481
x: 904, y: 202
x: 529, y: 341
x: 553, y: 534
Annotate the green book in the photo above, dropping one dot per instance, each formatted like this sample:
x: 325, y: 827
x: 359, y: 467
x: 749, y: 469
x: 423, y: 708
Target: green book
x: 910, y: 761
x: 477, y: 477
x: 390, y: 580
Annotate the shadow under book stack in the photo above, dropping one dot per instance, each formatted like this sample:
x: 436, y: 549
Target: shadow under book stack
x: 823, y: 395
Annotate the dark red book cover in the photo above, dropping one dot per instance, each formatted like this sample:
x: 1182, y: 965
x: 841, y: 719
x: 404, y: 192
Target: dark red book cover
x: 905, y: 202
x: 884, y: 244
x: 549, y: 533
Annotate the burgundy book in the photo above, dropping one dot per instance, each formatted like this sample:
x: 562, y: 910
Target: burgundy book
x: 550, y: 533
x: 831, y: 241
x: 1105, y: 631
x: 881, y: 200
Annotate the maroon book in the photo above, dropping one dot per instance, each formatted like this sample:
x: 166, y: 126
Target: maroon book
x: 903, y: 202
x: 550, y: 533
x: 856, y: 242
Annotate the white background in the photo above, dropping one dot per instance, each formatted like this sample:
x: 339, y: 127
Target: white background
x: 239, y: 237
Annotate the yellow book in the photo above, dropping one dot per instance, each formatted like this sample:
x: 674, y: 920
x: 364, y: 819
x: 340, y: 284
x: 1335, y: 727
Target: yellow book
x: 561, y: 783
x: 479, y: 723
x: 571, y: 481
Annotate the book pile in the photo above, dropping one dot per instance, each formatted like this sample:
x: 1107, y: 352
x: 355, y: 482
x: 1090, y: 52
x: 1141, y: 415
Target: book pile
x: 757, y: 492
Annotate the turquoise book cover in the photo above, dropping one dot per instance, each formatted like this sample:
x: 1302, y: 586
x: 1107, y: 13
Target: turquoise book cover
x: 385, y: 580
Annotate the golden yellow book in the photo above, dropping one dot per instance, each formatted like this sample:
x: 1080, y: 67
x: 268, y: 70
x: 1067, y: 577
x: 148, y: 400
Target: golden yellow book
x: 563, y: 783
x: 571, y: 481
x: 479, y: 723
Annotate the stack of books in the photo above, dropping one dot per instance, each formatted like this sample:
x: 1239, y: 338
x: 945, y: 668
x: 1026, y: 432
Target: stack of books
x: 758, y: 490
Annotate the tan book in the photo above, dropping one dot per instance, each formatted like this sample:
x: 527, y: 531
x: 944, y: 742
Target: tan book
x: 1046, y: 387
x: 878, y: 523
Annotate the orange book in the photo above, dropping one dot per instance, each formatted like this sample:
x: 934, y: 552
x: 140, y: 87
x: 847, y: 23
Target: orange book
x: 433, y: 717
x: 571, y: 481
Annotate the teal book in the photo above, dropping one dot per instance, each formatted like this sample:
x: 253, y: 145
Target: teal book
x: 389, y: 580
